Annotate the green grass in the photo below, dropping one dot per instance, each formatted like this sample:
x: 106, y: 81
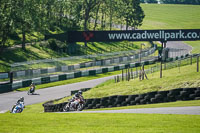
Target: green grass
x: 195, y: 45
x: 31, y: 53
x: 98, y: 123
x: 109, y: 47
x: 157, y: 17
x: 38, y: 51
x: 173, y: 78
x: 168, y: 16
x: 38, y: 108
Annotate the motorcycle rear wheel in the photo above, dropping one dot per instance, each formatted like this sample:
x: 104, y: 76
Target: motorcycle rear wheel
x: 80, y: 107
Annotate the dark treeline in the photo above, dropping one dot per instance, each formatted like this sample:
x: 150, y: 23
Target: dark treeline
x: 193, y: 2
x: 21, y: 18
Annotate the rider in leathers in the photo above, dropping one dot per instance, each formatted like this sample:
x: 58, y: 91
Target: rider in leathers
x: 76, y: 99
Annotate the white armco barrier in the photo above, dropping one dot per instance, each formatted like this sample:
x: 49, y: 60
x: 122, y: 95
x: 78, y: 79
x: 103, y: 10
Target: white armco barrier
x: 3, y: 75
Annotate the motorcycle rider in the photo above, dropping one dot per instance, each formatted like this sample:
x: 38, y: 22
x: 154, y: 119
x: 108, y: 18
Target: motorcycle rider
x: 80, y: 94
x: 19, y: 101
x: 75, y: 100
x: 32, y: 87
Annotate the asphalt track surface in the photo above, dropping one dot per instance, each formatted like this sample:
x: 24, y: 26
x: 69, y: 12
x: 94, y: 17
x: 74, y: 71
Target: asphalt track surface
x: 194, y: 110
x: 7, y: 100
x: 177, y: 48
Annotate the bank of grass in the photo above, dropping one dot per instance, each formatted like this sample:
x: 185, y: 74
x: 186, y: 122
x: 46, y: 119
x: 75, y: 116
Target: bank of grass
x: 175, y: 77
x: 183, y: 77
x: 195, y: 46
x: 98, y: 123
x: 169, y: 16
x: 31, y: 53
x: 42, y: 51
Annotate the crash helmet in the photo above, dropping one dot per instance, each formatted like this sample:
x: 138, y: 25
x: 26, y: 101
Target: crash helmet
x: 32, y: 83
x: 76, y: 95
x: 22, y: 99
x: 80, y: 92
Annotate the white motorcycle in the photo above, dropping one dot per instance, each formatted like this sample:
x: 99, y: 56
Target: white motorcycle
x: 18, y: 107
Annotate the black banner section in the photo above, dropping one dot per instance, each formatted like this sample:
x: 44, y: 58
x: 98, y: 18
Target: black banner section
x: 130, y: 35
x: 62, y: 37
x: 134, y: 35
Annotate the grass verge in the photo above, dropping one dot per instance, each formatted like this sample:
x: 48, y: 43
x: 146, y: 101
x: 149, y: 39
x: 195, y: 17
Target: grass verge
x: 98, y: 123
x: 38, y: 108
x: 179, y: 77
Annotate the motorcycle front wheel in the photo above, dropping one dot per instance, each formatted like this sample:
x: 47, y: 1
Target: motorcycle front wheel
x: 66, y: 108
x: 19, y: 110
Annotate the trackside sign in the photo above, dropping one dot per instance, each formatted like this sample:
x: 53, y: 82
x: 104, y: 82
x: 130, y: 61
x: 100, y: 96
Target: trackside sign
x: 134, y: 35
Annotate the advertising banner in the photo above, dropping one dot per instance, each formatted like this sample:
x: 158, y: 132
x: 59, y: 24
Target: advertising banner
x: 134, y: 35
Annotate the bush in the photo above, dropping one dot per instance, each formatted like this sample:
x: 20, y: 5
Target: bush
x: 56, y: 45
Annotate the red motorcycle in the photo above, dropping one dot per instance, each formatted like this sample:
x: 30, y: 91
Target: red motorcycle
x: 79, y: 107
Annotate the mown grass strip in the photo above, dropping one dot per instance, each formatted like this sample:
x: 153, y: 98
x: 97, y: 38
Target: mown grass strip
x: 38, y: 108
x: 98, y: 123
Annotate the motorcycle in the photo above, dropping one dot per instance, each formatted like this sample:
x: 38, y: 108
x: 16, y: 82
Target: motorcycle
x: 18, y: 107
x: 31, y: 91
x: 79, y: 107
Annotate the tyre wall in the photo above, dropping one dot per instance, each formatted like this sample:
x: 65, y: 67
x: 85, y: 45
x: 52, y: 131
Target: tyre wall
x: 179, y: 94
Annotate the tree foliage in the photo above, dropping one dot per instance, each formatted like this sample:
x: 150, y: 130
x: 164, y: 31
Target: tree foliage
x: 24, y: 17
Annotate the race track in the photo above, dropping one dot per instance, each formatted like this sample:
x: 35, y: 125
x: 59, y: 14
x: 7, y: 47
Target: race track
x: 7, y: 100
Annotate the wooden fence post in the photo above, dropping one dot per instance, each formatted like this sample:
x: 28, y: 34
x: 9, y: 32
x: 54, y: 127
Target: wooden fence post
x: 198, y: 63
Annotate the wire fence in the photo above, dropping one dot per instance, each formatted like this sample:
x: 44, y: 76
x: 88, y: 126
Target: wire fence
x: 133, y: 73
x: 28, y: 70
x: 55, y: 62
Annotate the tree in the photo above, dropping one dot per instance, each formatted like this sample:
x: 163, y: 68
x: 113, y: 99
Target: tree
x: 131, y: 12
x: 137, y: 16
x: 26, y: 17
x: 89, y: 5
x: 6, y: 22
x: 96, y: 15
